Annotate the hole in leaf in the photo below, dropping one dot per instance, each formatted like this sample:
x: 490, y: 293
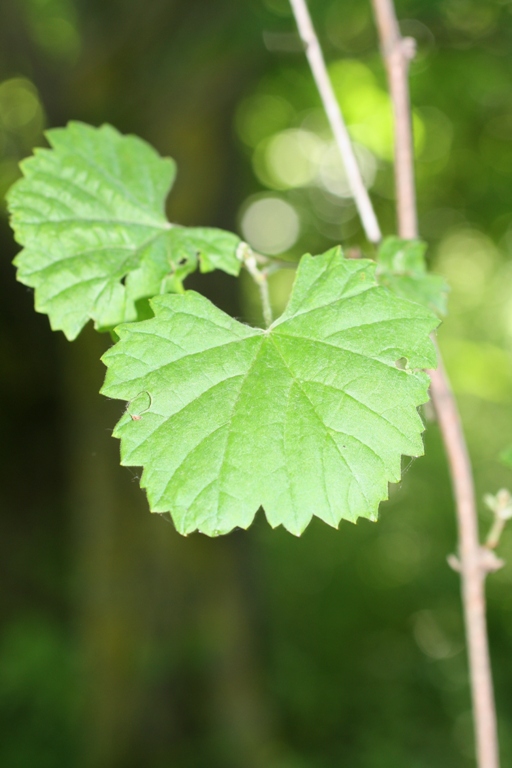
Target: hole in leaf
x: 140, y: 405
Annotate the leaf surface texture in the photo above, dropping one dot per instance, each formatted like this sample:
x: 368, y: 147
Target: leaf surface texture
x: 90, y: 213
x: 309, y: 417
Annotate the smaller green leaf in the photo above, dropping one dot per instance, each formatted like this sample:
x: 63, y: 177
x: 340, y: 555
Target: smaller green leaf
x: 401, y: 267
x: 90, y: 213
x: 215, y: 248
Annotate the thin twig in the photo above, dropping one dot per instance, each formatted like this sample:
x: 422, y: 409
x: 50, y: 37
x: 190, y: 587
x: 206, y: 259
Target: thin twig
x: 474, y: 561
x: 250, y: 261
x: 473, y: 569
x: 262, y: 284
x: 474, y: 564
x: 397, y: 52
x: 494, y: 535
x: 335, y: 117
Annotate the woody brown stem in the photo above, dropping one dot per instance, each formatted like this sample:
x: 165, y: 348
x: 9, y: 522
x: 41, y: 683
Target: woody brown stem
x: 475, y: 561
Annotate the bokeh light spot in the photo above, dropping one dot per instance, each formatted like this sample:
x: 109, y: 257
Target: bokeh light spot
x: 291, y: 158
x: 467, y: 259
x: 54, y: 28
x: 270, y: 225
x: 367, y: 108
x: 19, y: 104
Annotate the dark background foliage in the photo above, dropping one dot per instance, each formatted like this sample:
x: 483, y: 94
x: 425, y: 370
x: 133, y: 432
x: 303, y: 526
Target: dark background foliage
x: 123, y: 645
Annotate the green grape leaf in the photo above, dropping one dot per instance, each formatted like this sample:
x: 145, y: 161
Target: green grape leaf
x: 90, y: 213
x: 401, y: 267
x: 309, y: 417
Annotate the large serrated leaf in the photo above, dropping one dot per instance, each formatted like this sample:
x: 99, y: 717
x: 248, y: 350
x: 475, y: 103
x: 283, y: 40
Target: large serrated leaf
x: 309, y: 417
x: 90, y: 213
x: 401, y: 267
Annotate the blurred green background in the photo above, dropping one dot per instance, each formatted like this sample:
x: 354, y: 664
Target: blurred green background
x: 123, y: 645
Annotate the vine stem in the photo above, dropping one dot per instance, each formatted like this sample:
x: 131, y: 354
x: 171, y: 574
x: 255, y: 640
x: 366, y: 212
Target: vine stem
x: 262, y: 284
x: 250, y: 261
x: 475, y: 563
x: 397, y: 52
x: 334, y: 115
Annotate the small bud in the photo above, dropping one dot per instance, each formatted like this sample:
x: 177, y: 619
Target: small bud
x: 243, y: 251
x: 500, y: 504
x: 504, y: 501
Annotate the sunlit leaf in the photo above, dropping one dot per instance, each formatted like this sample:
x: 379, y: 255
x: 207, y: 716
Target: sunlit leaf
x: 309, y: 417
x: 90, y: 213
